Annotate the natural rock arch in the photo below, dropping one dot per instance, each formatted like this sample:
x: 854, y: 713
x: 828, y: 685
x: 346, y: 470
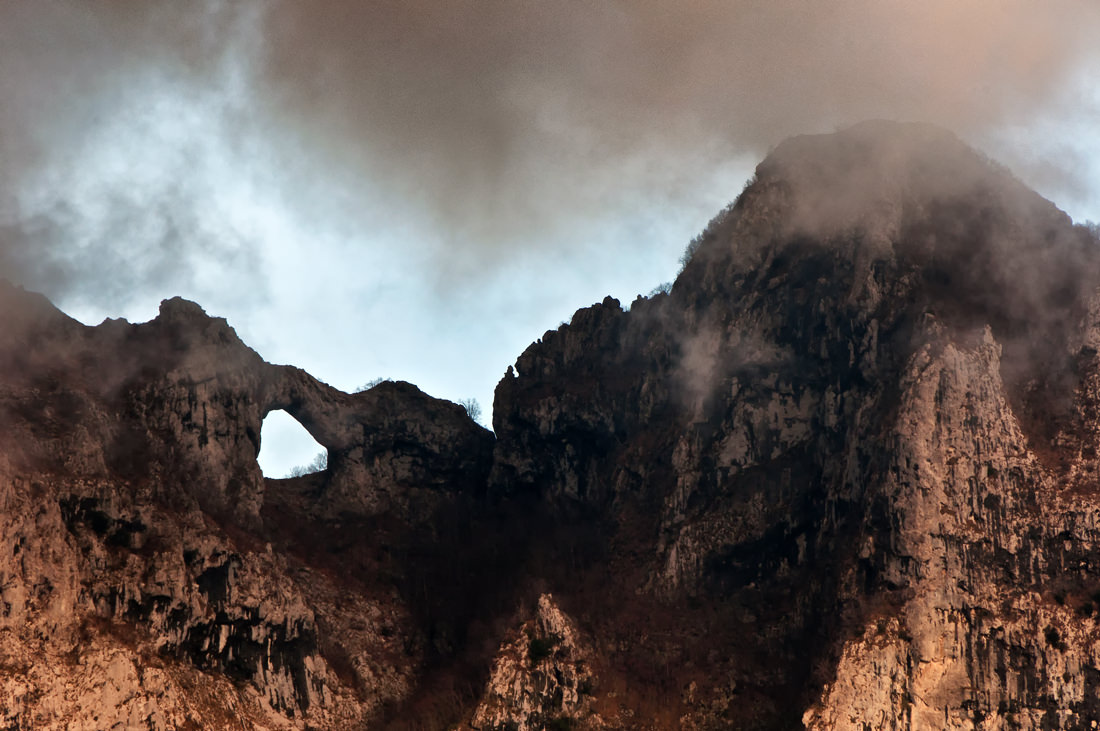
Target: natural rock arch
x: 286, y: 446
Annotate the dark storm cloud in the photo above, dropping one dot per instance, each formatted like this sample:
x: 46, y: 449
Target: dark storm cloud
x: 128, y: 130
x: 500, y: 113
x: 114, y: 128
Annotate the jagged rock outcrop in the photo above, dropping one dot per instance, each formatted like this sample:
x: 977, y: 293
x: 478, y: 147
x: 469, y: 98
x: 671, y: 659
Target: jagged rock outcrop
x: 140, y: 585
x: 541, y: 676
x: 854, y: 418
x: 844, y: 475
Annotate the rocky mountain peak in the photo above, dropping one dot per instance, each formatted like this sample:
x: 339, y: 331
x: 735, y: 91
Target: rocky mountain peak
x: 883, y: 337
x: 888, y: 225
x: 843, y: 476
x: 910, y: 197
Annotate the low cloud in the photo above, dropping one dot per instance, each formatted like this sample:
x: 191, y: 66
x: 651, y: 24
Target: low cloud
x: 125, y: 137
x: 499, y: 117
x: 145, y: 145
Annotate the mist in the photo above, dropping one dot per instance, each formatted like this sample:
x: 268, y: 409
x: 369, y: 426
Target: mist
x: 496, y: 115
x: 447, y: 180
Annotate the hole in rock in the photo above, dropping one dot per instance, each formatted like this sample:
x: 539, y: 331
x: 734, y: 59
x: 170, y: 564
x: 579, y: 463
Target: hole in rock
x: 287, y: 449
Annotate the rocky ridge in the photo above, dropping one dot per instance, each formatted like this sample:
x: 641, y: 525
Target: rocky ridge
x: 138, y: 560
x: 861, y: 410
x: 843, y: 475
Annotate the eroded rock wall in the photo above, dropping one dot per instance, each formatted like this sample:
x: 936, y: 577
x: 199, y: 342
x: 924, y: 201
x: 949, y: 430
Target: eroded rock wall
x: 859, y: 416
x: 843, y: 475
x: 144, y: 581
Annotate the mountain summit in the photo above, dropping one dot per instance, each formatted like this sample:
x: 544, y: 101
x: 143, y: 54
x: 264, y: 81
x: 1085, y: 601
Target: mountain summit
x: 843, y: 475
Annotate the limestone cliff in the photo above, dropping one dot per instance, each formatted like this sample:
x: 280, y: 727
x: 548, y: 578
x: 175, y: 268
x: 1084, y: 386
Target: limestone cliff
x: 541, y: 675
x: 851, y: 451
x: 844, y: 475
x: 146, y: 581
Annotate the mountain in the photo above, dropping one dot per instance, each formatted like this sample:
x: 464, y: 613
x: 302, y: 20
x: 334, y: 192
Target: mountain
x: 843, y: 475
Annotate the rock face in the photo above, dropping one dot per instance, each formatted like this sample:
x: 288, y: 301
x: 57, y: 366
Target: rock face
x: 144, y: 581
x: 859, y: 432
x: 844, y: 475
x: 541, y: 677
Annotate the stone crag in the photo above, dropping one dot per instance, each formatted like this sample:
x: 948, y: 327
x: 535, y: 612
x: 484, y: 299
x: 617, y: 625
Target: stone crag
x: 859, y: 432
x: 138, y: 542
x: 843, y: 475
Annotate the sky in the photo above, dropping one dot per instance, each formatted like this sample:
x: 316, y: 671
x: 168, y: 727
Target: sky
x: 418, y: 190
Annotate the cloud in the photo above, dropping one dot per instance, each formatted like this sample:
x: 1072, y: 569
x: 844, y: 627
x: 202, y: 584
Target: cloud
x: 152, y: 145
x: 121, y: 134
x: 504, y: 116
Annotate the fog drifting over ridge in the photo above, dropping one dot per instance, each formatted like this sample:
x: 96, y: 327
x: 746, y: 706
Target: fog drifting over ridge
x: 417, y: 190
